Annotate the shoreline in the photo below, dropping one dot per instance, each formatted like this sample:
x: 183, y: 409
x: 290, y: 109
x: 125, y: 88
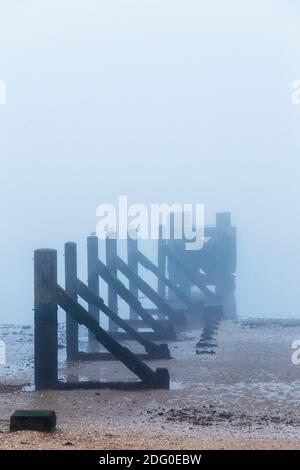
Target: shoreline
x: 246, y: 396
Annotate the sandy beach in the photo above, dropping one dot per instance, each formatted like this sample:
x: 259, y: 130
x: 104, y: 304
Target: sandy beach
x: 245, y: 396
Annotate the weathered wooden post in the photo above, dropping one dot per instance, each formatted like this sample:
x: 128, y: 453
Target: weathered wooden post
x: 225, y: 285
x: 93, y: 277
x: 132, y: 261
x: 223, y: 220
x: 111, y: 254
x: 172, y: 268
x: 177, y: 245
x: 71, y: 290
x: 45, y: 319
x: 161, y: 262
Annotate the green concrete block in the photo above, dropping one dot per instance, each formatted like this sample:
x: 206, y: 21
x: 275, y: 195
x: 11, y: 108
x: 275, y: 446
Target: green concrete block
x: 33, y: 420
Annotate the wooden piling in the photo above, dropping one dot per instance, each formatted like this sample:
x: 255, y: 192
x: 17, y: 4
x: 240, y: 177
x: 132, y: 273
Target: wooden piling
x: 132, y: 261
x: 45, y: 319
x: 111, y: 254
x: 225, y: 285
x: 172, y: 271
x: 161, y: 262
x: 93, y: 278
x: 71, y: 290
x: 177, y: 245
x: 223, y: 220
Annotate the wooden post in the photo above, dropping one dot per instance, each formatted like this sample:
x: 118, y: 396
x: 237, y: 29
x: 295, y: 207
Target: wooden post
x: 132, y: 261
x: 111, y: 254
x: 93, y: 277
x: 184, y: 282
x: 223, y: 220
x: 176, y: 276
x: 172, y: 270
x: 161, y: 262
x: 45, y: 319
x: 71, y: 290
x: 225, y: 286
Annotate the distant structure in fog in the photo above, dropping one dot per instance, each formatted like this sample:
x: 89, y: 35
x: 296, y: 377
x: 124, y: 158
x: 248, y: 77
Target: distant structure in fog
x: 213, y: 267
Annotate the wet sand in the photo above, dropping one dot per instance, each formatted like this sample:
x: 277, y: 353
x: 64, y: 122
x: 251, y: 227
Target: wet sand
x: 246, y: 396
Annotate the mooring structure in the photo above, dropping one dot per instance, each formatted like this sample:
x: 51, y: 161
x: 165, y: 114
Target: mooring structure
x: 76, y: 288
x: 211, y: 269
x: 179, y: 275
x: 48, y: 296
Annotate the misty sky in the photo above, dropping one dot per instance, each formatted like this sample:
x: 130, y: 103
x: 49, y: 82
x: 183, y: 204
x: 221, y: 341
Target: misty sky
x: 160, y: 100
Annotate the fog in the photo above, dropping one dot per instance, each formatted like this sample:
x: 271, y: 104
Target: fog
x: 162, y: 101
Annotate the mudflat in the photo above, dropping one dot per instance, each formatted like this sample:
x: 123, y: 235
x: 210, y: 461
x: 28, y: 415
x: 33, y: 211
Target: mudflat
x: 245, y: 396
